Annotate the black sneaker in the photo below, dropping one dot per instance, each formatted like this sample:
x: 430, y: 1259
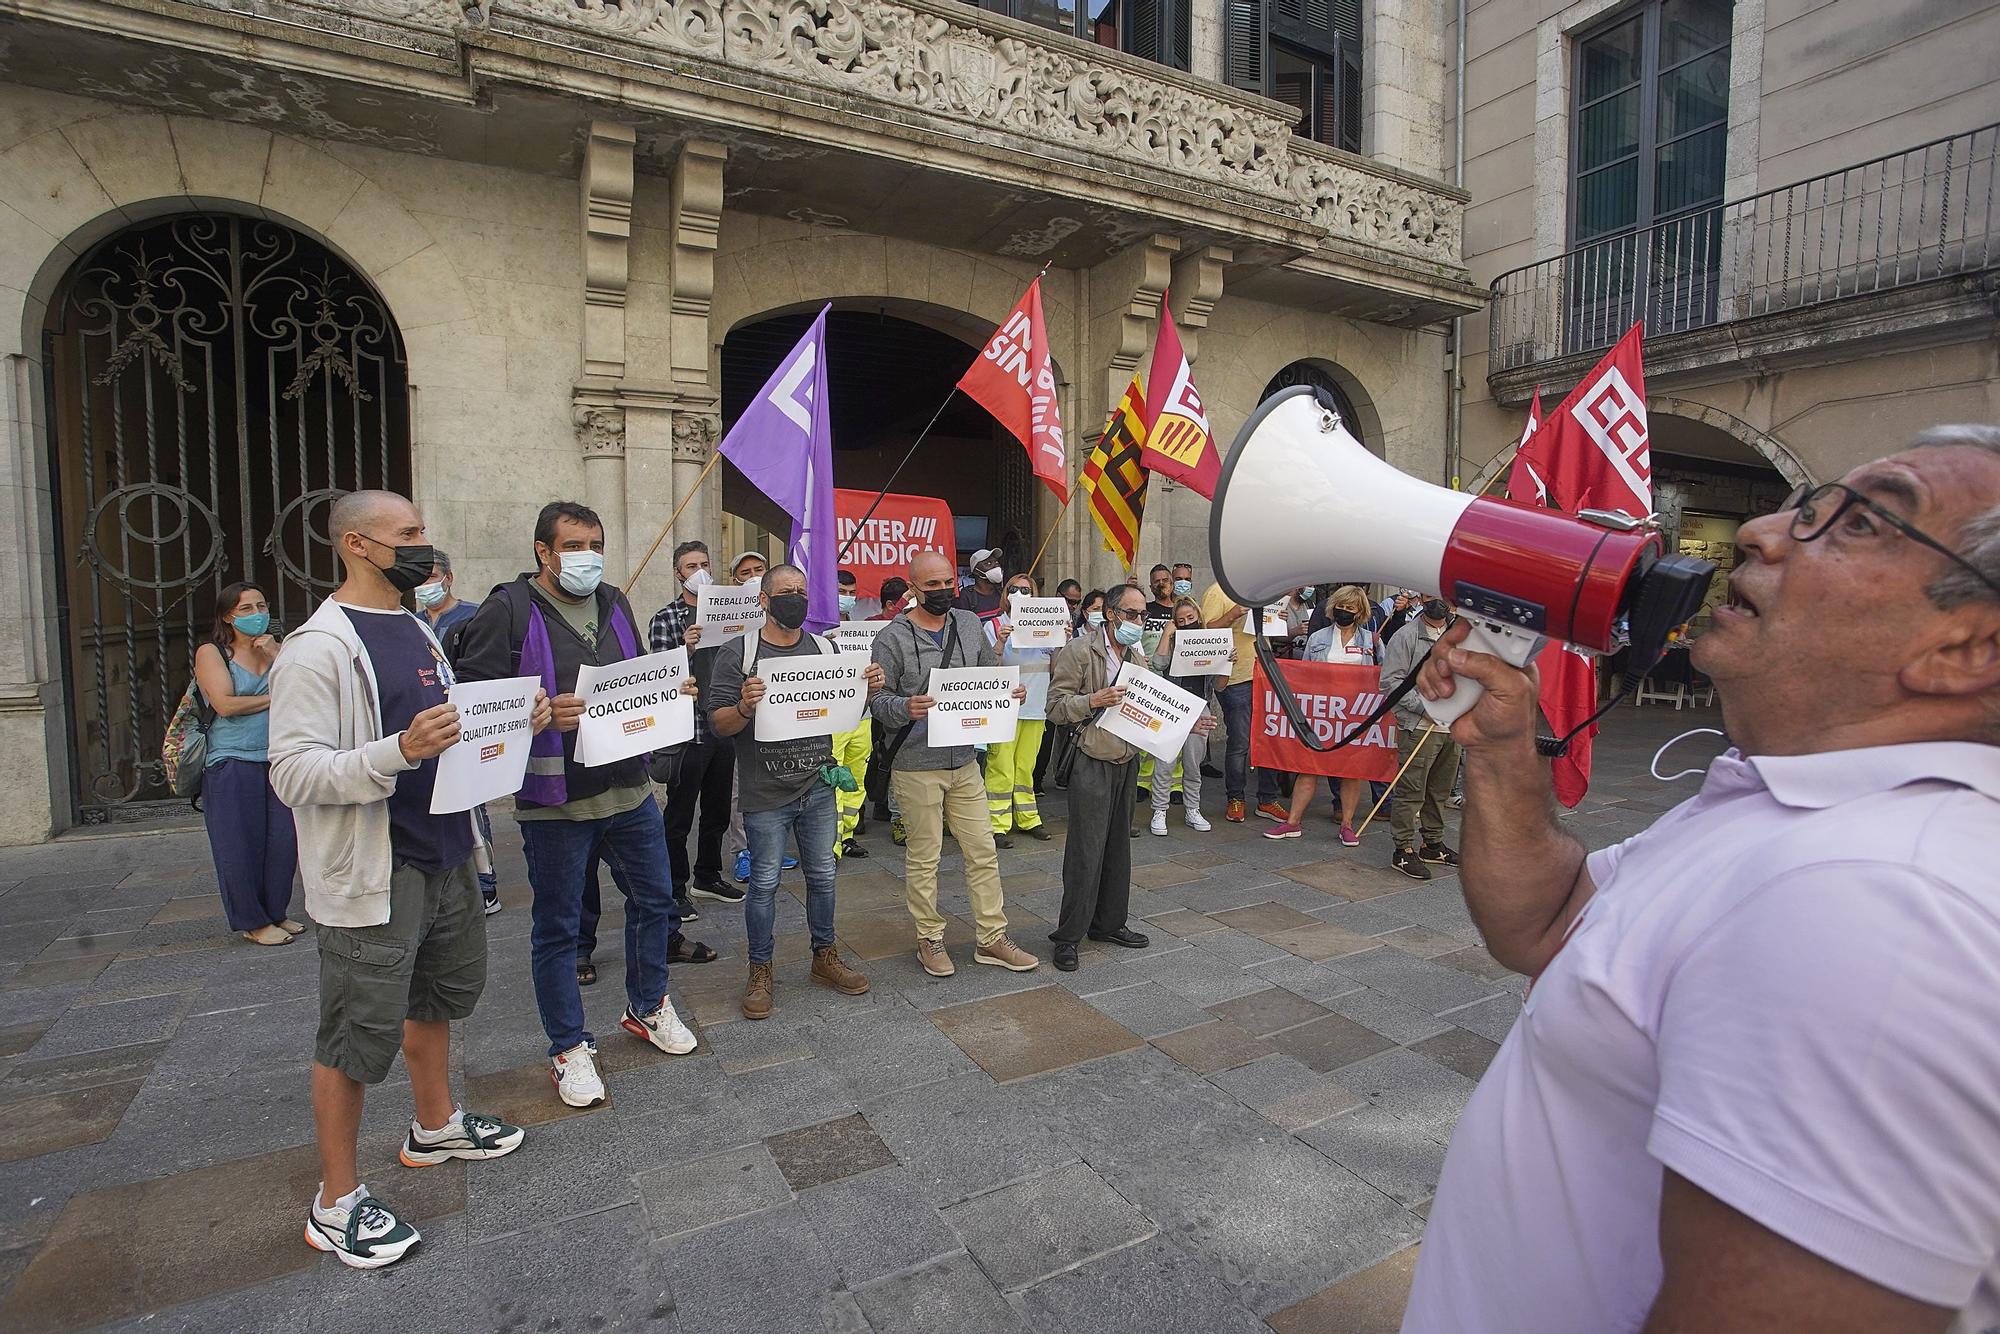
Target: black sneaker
x: 1407, y: 861
x: 1440, y: 853
x: 853, y: 849
x: 716, y: 889
x: 684, y: 908
x: 1002, y: 841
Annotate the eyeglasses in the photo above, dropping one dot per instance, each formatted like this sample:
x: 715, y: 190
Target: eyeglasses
x: 1124, y: 615
x: 1816, y: 509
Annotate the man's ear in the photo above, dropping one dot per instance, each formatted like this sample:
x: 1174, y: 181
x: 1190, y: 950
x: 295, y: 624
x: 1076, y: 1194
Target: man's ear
x: 1964, y: 659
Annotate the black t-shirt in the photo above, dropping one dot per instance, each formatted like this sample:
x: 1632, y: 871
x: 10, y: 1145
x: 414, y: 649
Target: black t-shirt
x: 411, y: 676
x: 769, y: 774
x: 983, y: 599
x: 1159, y: 615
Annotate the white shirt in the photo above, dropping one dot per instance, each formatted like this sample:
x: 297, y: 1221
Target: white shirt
x: 1788, y: 992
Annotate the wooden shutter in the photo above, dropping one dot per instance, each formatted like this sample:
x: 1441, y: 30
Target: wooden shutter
x: 1243, y: 44
x: 1142, y: 28
x: 1349, y: 120
x: 1177, y: 43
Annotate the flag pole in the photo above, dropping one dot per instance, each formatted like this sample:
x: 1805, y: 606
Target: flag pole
x: 1042, y: 550
x: 714, y: 457
x: 874, y: 504
x: 1415, y: 751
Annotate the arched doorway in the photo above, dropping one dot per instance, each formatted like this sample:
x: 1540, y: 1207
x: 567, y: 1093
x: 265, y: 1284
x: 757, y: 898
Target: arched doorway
x: 886, y: 377
x: 1706, y: 482
x: 214, y: 382
x: 1341, y: 387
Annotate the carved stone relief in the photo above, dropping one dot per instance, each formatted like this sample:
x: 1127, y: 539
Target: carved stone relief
x: 695, y: 435
x: 600, y: 431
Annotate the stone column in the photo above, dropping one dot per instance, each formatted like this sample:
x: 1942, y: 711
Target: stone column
x: 1124, y: 294
x: 696, y: 205
x: 605, y: 189
x: 34, y: 769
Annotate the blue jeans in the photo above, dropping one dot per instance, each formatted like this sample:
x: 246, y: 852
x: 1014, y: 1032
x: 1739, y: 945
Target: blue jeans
x: 1236, y: 759
x: 811, y: 821
x: 559, y: 853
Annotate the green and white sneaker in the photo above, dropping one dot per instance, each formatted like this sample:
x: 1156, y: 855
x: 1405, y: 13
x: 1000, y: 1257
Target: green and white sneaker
x: 466, y: 1135
x: 367, y: 1236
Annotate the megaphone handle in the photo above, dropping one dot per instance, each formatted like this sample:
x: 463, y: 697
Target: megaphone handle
x: 1514, y: 646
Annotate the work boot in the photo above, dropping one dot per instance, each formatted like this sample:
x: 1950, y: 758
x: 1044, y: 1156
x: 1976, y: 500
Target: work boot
x: 757, y: 993
x: 829, y: 971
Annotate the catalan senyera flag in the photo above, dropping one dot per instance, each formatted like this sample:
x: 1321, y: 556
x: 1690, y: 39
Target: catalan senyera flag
x: 1179, y: 444
x: 1116, y: 479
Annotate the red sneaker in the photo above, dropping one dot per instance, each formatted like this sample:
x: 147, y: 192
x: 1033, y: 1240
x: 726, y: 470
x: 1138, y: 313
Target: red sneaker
x: 1285, y: 829
x: 1271, y: 810
x: 1234, y: 814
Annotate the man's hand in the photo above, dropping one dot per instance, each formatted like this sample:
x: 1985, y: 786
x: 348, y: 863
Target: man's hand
x: 544, y: 713
x: 1105, y: 698
x: 432, y: 732
x: 753, y: 694
x: 690, y: 689
x: 1204, y: 724
x: 919, y: 706
x: 568, y: 711
x: 691, y: 638
x: 1507, y: 714
x: 1020, y: 693
x: 873, y: 675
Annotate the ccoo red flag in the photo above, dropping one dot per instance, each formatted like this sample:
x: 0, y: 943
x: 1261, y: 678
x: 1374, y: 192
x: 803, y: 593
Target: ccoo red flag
x: 1179, y: 443
x: 1014, y: 380
x: 1524, y: 483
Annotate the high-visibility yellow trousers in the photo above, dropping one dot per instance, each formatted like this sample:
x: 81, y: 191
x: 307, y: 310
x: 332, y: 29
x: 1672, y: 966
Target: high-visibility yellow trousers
x: 1146, y: 773
x: 852, y: 748
x: 1010, y: 778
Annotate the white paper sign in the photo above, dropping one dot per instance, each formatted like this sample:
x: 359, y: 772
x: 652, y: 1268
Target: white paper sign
x: 1275, y: 624
x: 1035, y: 676
x: 1202, y: 653
x: 490, y: 758
x: 1156, y: 715
x: 857, y: 636
x: 973, y: 706
x: 632, y: 707
x: 811, y: 696
x: 1037, y: 622
x: 726, y: 612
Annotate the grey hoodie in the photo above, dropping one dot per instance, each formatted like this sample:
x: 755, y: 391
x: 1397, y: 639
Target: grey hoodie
x: 331, y: 764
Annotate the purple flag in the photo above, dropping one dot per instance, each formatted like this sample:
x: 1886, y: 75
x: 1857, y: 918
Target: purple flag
x: 783, y: 445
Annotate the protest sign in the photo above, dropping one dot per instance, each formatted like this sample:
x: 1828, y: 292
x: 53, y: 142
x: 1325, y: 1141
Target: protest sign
x: 490, y: 757
x: 725, y: 612
x: 1275, y: 625
x: 1335, y: 698
x: 901, y: 528
x: 1035, y: 676
x: 1156, y: 715
x: 1202, y: 653
x: 857, y: 636
x: 972, y: 706
x: 1037, y: 622
x: 632, y: 707
x: 818, y: 695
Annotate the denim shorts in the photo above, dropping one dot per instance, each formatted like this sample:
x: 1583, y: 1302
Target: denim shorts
x: 427, y: 962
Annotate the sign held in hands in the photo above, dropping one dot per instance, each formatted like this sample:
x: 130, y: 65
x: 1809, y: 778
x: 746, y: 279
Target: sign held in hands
x: 633, y: 707
x: 490, y: 758
x: 1037, y: 622
x: 972, y: 706
x: 820, y: 695
x: 1156, y: 715
x: 857, y: 636
x: 1202, y: 653
x: 726, y: 611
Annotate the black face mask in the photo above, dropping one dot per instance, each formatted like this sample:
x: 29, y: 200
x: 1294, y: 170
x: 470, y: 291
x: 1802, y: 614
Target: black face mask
x: 413, y: 565
x: 937, y: 601
x: 1342, y: 617
x: 1436, y: 610
x: 788, y: 609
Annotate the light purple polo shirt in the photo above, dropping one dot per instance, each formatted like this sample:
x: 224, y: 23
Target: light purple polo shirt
x: 1788, y: 991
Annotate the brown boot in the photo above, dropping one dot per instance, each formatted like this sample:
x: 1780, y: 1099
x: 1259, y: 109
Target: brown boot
x: 829, y: 971
x: 757, y: 993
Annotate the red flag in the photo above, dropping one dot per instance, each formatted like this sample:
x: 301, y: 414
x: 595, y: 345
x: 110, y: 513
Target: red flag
x: 1524, y: 483
x: 1179, y: 443
x: 1013, y: 380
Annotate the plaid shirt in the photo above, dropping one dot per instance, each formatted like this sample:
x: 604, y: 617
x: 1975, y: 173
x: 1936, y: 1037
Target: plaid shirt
x: 669, y: 631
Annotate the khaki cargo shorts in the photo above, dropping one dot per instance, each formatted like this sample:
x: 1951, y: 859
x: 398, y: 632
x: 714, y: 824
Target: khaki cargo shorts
x: 427, y: 962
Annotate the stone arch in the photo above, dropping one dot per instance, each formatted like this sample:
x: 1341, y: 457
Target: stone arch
x: 1367, y: 423
x: 1773, y: 450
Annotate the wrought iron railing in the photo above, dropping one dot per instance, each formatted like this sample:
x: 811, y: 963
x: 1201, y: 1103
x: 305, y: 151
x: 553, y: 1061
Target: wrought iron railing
x: 1913, y: 216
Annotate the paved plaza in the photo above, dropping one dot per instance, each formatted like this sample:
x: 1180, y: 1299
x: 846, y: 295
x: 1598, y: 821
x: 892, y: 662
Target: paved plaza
x: 1239, y: 1128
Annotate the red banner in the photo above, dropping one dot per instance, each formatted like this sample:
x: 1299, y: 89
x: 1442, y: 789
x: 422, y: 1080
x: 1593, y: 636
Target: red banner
x: 1335, y: 698
x: 900, y: 528
x: 1014, y: 379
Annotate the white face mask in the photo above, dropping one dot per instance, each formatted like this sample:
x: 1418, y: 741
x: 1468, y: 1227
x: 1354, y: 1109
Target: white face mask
x: 697, y: 581
x: 996, y: 575
x: 429, y: 595
x: 581, y: 572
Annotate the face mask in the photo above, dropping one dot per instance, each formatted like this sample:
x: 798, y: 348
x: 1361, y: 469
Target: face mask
x: 429, y: 595
x: 1095, y: 618
x: 1343, y: 617
x: 697, y: 581
x: 995, y: 575
x: 1183, y: 587
x: 1129, y: 633
x: 937, y: 601
x: 1308, y: 594
x: 788, y: 609
x: 256, y: 623
x: 1435, y: 609
x: 412, y: 567
x: 847, y: 604
x: 580, y: 572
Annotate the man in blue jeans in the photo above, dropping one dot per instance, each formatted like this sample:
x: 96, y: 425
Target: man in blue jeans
x: 548, y: 624
x: 782, y: 787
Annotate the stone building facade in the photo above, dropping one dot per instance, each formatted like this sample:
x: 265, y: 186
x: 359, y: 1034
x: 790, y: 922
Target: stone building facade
x: 496, y: 253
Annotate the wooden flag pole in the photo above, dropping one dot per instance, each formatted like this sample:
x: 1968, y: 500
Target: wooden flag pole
x: 1049, y: 537
x: 714, y: 457
x: 1415, y: 751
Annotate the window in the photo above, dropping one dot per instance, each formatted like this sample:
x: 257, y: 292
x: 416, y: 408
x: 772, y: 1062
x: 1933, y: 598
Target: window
x: 1651, y: 113
x: 1157, y: 30
x: 1306, y: 53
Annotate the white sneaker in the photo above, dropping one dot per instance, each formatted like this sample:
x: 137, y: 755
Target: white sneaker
x: 1196, y: 823
x: 575, y: 1076
x: 367, y: 1236
x: 1160, y: 823
x: 663, y: 1028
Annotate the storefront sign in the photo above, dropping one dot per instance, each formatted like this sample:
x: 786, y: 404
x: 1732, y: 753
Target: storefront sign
x: 633, y: 707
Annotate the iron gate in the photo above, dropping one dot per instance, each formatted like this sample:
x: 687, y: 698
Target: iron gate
x: 214, y: 382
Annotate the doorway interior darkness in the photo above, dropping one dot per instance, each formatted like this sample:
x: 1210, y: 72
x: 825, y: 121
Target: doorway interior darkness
x: 213, y: 383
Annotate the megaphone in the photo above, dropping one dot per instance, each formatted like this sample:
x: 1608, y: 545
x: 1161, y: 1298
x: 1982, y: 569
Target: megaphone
x: 1301, y: 500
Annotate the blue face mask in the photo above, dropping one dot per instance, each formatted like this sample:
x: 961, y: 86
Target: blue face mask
x: 581, y: 571
x: 1183, y: 587
x: 256, y: 623
x: 847, y: 604
x: 1129, y: 633
x: 1094, y: 618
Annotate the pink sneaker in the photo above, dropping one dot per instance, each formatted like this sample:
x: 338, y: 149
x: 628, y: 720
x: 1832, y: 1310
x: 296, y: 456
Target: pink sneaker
x: 1347, y: 836
x: 1284, y: 829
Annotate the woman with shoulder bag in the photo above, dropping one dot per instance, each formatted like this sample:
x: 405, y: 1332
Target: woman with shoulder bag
x: 1187, y: 616
x: 250, y: 831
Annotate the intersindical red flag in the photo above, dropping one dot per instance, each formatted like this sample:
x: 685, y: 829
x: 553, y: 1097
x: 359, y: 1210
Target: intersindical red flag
x: 1014, y: 380
x: 1593, y: 452
x: 1179, y: 443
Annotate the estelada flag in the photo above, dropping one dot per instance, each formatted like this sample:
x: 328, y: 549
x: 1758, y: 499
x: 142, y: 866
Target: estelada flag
x: 1335, y: 698
x: 1116, y: 479
x: 1013, y: 379
x: 1179, y: 443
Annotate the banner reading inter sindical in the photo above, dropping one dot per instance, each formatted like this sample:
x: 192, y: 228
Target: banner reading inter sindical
x: 1335, y: 699
x: 900, y: 528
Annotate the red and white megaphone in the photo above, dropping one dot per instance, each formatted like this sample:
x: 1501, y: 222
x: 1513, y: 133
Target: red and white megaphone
x: 1301, y: 501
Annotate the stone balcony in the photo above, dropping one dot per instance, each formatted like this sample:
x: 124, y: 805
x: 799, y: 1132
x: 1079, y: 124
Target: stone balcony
x: 919, y: 117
